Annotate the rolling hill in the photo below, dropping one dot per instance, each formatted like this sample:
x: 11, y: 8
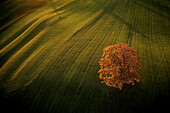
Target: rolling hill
x: 49, y: 54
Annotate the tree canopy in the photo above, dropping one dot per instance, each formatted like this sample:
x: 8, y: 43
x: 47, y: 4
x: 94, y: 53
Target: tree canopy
x: 119, y: 65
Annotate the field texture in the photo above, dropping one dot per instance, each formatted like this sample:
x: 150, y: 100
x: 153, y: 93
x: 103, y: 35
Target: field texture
x: 49, y: 54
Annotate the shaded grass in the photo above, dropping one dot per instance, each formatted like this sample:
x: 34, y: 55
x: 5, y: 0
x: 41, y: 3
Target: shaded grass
x: 11, y: 11
x: 57, y: 71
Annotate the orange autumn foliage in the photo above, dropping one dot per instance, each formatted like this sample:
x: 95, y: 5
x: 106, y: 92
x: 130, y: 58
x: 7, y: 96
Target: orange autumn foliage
x: 119, y: 65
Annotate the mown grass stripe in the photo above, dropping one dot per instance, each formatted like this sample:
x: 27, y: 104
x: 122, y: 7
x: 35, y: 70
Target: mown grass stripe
x: 91, y: 59
x: 162, y: 63
x: 25, y: 33
x: 27, y: 46
x: 5, y: 36
x: 86, y: 47
x: 57, y: 72
x: 133, y: 22
x: 62, y: 91
x: 36, y: 73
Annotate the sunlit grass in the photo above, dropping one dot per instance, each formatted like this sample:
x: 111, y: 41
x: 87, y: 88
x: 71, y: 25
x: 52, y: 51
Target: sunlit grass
x: 49, y: 57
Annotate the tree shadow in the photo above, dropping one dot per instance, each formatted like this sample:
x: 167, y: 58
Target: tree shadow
x: 129, y: 25
x: 150, y: 9
x: 156, y: 5
x: 135, y: 28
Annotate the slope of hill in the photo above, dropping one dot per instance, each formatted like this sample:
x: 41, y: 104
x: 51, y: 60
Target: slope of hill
x: 49, y: 55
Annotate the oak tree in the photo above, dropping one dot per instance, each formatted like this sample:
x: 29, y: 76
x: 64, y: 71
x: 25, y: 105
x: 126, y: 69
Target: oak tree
x: 119, y: 65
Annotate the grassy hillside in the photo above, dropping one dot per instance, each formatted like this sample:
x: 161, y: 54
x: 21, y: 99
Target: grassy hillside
x: 49, y: 54
x: 13, y: 10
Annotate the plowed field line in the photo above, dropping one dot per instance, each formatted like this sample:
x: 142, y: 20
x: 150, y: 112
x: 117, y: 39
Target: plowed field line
x: 59, y: 63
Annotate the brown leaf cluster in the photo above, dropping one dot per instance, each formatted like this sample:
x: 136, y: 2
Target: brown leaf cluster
x: 119, y: 65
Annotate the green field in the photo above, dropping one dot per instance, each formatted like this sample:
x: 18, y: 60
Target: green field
x: 49, y: 54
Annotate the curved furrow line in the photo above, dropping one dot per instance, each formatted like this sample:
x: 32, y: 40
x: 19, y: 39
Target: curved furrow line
x: 17, y: 83
x: 108, y: 34
x: 148, y: 50
x: 29, y: 69
x: 26, y: 48
x: 121, y: 16
x: 148, y: 41
x: 135, y: 21
x: 97, y: 49
x: 143, y: 44
x: 13, y: 61
x: 53, y: 21
x: 160, y: 72
x: 100, y: 24
x: 83, y: 65
x: 137, y: 42
x: 7, y: 37
x: 89, y: 39
x: 163, y: 61
x: 35, y: 75
x: 64, y: 5
x: 136, y: 37
x: 123, y: 13
x: 103, y: 12
x: 138, y: 21
x: 92, y: 65
x: 20, y: 53
x: 51, y: 78
x: 54, y: 63
x: 48, y: 19
x: 90, y: 68
x: 84, y: 25
x: 14, y: 20
x: 164, y: 43
x: 150, y: 62
x: 153, y: 77
x: 125, y: 30
x: 13, y: 12
x: 83, y: 39
x: 127, y: 9
x: 12, y: 81
x: 78, y: 42
x: 132, y: 20
x: 142, y: 41
x: 15, y: 42
x: 158, y: 13
x: 106, y: 37
x: 160, y: 56
x: 129, y: 25
x: 25, y: 14
x: 24, y: 38
x: 67, y: 43
x: 73, y: 65
x: 93, y: 21
x: 41, y: 92
x: 43, y: 12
